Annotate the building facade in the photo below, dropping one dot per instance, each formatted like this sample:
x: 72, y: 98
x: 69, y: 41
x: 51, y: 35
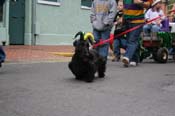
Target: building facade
x: 43, y: 22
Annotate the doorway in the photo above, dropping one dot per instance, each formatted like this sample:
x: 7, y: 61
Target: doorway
x: 16, y: 22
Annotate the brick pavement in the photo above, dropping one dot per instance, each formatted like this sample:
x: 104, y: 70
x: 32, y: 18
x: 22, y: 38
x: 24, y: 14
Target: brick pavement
x: 23, y: 53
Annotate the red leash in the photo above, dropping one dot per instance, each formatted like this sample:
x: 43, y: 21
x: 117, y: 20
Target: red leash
x: 125, y: 32
x: 171, y: 11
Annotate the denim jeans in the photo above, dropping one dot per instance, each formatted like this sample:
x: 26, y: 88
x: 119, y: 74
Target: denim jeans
x: 102, y: 35
x: 133, y: 38
x: 119, y: 43
x: 2, y: 55
x: 151, y: 27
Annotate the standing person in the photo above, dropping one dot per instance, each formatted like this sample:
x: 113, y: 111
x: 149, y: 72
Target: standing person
x: 119, y: 42
x: 133, y: 16
x: 102, y: 17
x: 2, y: 53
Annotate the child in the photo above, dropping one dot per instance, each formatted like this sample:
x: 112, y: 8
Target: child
x: 119, y: 42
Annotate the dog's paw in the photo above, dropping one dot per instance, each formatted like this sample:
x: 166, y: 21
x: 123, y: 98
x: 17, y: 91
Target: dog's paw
x: 89, y: 79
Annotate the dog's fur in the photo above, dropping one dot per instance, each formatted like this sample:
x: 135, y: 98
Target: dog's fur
x: 86, y: 62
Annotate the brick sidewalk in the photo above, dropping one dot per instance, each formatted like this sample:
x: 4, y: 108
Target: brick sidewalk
x: 39, y: 53
x: 23, y: 53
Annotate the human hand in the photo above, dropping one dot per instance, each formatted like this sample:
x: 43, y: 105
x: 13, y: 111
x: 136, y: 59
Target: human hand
x: 115, y: 23
x: 158, y: 22
x: 120, y: 20
x: 138, y: 1
x: 142, y: 3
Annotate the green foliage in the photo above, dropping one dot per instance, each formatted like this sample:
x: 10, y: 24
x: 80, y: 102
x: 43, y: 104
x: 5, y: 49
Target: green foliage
x: 170, y: 4
x: 171, y: 1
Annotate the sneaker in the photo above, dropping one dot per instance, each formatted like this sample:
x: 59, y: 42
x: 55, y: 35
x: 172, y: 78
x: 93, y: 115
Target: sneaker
x: 0, y: 64
x: 125, y: 61
x: 133, y: 64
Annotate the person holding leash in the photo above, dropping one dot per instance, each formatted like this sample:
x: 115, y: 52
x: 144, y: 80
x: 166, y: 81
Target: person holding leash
x: 133, y: 16
x: 102, y: 17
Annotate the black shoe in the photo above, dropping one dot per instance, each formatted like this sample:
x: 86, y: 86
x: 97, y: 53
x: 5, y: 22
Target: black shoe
x: 0, y: 65
x: 101, y: 75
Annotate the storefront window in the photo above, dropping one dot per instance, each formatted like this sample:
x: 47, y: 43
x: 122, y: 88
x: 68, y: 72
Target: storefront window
x: 86, y: 4
x: 1, y: 9
x: 49, y: 2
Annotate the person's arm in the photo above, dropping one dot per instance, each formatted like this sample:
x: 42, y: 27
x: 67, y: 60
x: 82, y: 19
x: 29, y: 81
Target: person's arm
x: 162, y: 15
x: 147, y: 15
x: 146, y: 4
x: 112, y: 13
x: 172, y: 10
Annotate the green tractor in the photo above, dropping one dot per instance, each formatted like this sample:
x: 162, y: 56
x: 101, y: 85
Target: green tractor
x: 158, y: 45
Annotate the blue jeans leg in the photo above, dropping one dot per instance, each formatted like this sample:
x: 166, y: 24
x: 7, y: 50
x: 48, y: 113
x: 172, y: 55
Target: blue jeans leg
x: 123, y: 43
x: 116, y: 47
x: 104, y: 35
x: 147, y: 29
x: 2, y: 55
x: 119, y: 43
x: 155, y: 28
x: 133, y: 38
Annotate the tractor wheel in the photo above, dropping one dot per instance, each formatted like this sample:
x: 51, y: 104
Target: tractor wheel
x: 162, y: 55
x: 155, y: 56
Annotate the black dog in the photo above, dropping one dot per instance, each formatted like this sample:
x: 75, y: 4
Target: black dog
x: 86, y: 62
